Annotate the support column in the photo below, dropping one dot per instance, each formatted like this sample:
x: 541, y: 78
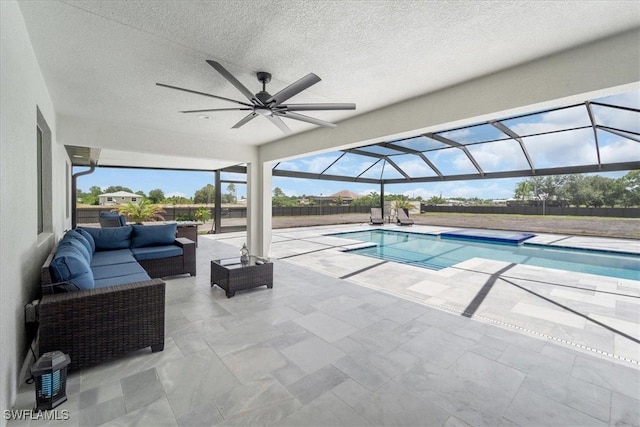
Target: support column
x: 217, y: 209
x: 382, y: 198
x: 259, y: 208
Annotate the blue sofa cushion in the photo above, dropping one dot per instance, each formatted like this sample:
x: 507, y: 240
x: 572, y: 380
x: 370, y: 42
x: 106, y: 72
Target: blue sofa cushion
x: 155, y: 252
x: 153, y: 235
x: 73, y: 234
x: 116, y: 270
x: 118, y: 256
x: 70, y: 265
x: 110, y: 238
x: 89, y: 238
x: 130, y: 278
x: 75, y: 243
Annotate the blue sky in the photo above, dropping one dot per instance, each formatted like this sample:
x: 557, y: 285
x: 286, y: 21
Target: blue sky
x: 186, y: 184
x: 562, y: 149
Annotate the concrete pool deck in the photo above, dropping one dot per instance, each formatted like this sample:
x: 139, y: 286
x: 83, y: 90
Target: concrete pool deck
x: 596, y: 314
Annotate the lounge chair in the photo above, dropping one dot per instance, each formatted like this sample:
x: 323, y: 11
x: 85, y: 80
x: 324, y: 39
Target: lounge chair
x: 403, y: 218
x: 111, y: 219
x: 376, y: 217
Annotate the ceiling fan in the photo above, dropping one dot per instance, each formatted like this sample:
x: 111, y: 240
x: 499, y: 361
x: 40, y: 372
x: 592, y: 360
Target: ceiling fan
x: 270, y: 106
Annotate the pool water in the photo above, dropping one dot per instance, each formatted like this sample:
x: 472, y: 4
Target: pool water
x: 429, y: 251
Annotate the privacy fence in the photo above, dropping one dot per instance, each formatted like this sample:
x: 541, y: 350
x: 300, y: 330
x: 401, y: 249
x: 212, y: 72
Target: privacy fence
x: 90, y: 215
x: 535, y: 210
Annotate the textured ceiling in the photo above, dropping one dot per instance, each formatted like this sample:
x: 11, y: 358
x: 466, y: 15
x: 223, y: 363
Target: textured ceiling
x: 101, y: 59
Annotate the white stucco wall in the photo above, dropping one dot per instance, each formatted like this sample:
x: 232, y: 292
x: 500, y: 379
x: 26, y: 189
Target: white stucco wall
x: 22, y: 251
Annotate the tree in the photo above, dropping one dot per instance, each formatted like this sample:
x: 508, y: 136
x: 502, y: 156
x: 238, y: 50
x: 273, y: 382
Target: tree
x: 231, y: 188
x: 631, y: 184
x: 523, y: 191
x: 547, y: 188
x: 206, y: 194
x: 277, y: 192
x: 115, y: 188
x: 577, y: 190
x: 92, y: 197
x: 372, y: 199
x: 141, y: 193
x: 156, y: 195
x: 202, y: 214
x: 95, y: 190
x: 178, y: 200
x: 436, y: 200
x: 143, y: 211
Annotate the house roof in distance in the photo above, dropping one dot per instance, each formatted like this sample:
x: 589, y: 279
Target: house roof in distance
x: 121, y: 194
x: 345, y: 194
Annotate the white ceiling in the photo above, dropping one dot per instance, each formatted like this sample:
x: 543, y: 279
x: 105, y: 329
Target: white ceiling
x: 101, y: 59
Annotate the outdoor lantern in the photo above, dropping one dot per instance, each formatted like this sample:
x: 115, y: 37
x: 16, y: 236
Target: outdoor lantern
x: 244, y: 254
x: 50, y: 374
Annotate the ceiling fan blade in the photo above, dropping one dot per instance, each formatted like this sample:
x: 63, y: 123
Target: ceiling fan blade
x: 278, y: 122
x: 204, y: 94
x: 227, y: 75
x: 318, y: 107
x: 307, y: 119
x: 217, y: 109
x: 293, y: 89
x: 246, y: 119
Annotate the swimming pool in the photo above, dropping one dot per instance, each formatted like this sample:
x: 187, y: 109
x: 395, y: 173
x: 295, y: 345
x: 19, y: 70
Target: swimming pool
x: 432, y: 252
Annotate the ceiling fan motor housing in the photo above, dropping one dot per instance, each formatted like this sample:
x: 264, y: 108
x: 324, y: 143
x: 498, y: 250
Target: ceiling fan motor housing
x: 263, y: 96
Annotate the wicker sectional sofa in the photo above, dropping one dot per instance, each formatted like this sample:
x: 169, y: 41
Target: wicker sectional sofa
x: 102, y: 292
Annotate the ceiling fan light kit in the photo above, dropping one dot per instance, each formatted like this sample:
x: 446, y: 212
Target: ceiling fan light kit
x: 269, y: 106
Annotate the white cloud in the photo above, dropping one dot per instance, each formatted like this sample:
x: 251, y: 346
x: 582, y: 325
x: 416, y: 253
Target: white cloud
x: 620, y: 151
x: 457, y: 135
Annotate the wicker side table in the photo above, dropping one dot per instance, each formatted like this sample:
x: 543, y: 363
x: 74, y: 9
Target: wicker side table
x: 232, y: 275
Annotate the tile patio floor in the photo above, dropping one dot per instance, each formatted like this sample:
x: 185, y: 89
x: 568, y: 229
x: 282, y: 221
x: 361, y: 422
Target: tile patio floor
x: 345, y: 340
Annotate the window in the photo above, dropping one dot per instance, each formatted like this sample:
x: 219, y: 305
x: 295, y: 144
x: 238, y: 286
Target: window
x: 134, y: 199
x: 109, y: 199
x: 67, y: 177
x: 43, y: 175
x: 39, y: 180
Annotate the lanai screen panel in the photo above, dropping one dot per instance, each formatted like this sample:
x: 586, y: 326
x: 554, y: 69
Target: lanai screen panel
x: 312, y: 164
x: 451, y: 161
x: 615, y: 148
x: 351, y: 165
x: 474, y: 134
x: 499, y: 156
x: 601, y: 134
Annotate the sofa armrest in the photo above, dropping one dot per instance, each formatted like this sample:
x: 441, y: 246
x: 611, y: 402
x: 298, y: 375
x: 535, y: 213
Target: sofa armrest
x: 96, y: 325
x: 183, y: 241
x: 45, y: 270
x: 189, y: 254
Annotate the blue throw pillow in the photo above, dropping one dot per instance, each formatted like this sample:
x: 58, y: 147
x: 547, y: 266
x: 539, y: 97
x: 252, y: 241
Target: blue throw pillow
x: 72, y: 234
x: 89, y: 238
x: 70, y: 265
x: 75, y: 243
x: 153, y: 235
x: 111, y: 238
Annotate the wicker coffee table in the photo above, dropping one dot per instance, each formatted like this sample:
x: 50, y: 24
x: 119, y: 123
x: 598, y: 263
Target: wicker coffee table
x: 232, y: 275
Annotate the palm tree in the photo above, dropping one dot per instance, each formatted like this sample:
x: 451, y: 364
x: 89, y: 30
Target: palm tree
x: 143, y: 211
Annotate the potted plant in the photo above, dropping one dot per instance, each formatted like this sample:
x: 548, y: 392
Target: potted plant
x: 143, y: 211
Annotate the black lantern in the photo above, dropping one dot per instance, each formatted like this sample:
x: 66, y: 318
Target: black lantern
x: 50, y: 374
